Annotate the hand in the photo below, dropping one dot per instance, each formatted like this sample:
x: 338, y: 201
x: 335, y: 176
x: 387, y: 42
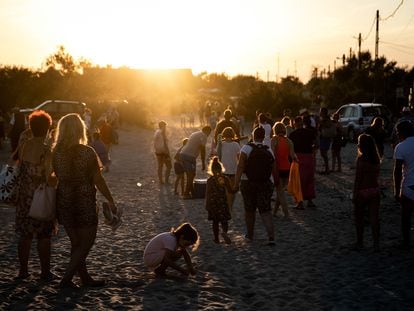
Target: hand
x: 192, y: 271
x: 397, y: 198
x: 113, y: 207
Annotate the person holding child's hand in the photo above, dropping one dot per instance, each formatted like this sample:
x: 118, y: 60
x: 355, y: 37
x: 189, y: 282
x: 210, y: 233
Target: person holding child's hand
x: 166, y: 248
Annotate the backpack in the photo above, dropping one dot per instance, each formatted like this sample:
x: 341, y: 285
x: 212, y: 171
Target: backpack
x: 259, y: 163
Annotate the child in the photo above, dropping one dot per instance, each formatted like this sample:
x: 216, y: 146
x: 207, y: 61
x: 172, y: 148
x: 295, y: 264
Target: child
x: 216, y: 200
x: 229, y: 155
x: 366, y: 189
x: 179, y: 169
x: 100, y: 150
x: 164, y: 249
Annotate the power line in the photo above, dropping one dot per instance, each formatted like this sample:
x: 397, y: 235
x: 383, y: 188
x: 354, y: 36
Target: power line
x: 398, y: 45
x: 370, y: 30
x: 393, y: 13
x: 400, y: 50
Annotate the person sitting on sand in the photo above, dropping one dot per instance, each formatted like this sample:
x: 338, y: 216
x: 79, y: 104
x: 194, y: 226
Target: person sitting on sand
x: 166, y: 248
x: 366, y: 189
x: 216, y: 200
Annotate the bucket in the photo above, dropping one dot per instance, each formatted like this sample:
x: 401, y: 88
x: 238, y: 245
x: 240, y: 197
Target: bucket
x: 199, y: 186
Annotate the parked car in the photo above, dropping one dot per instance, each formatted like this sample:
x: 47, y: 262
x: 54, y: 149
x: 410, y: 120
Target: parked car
x: 355, y: 118
x: 58, y: 108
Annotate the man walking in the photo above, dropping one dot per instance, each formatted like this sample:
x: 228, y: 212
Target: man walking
x: 404, y: 177
x: 162, y: 152
x: 196, y: 145
x: 253, y: 174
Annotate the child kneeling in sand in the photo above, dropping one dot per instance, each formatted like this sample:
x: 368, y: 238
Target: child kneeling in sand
x: 163, y: 250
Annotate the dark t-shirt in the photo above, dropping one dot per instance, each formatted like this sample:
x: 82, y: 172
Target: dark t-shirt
x: 303, y: 140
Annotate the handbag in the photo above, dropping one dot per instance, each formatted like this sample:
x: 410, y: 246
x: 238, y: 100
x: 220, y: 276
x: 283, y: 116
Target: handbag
x: 43, y: 205
x: 9, y: 182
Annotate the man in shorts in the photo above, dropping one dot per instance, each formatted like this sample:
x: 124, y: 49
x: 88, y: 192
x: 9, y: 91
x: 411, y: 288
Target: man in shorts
x: 195, y: 146
x: 256, y: 194
x: 404, y: 177
x: 162, y: 152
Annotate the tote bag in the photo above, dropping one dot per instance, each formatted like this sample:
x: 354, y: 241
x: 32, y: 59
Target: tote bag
x: 9, y: 176
x: 43, y: 205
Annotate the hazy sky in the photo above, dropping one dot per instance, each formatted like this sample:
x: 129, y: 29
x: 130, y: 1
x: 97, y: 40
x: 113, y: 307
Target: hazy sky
x: 264, y: 37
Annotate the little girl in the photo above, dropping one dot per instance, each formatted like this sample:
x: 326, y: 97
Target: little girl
x: 216, y: 200
x: 179, y: 169
x: 163, y: 250
x: 366, y: 189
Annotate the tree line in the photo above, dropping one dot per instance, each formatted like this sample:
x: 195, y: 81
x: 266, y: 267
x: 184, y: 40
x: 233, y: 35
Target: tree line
x: 359, y: 79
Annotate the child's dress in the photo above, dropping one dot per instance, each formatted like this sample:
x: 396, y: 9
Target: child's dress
x: 216, y: 200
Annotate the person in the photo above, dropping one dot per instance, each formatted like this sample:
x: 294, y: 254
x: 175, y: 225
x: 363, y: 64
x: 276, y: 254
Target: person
x: 304, y: 143
x: 105, y: 130
x: 87, y: 118
x: 226, y: 122
x: 403, y: 176
x: 264, y: 122
x: 196, y: 145
x: 366, y: 189
x: 406, y: 115
x: 76, y: 167
x: 283, y: 150
x: 35, y: 169
x: 99, y: 147
x: 18, y: 126
x: 162, y: 152
x: 216, y: 200
x: 337, y: 144
x: 2, y: 129
x: 377, y: 131
x: 179, y: 169
x: 229, y: 155
x: 327, y: 131
x: 288, y: 125
x: 253, y: 177
x: 166, y: 248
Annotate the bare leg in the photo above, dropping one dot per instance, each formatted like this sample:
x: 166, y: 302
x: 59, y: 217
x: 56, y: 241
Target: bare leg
x: 23, y: 250
x: 160, y: 165
x: 216, y: 231
x: 281, y: 197
x: 268, y: 222
x: 82, y: 240
x: 43, y: 248
x: 167, y: 170
x: 190, y: 180
x: 250, y: 218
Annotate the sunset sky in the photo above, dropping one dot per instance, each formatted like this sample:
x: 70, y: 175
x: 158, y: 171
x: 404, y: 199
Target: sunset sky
x: 264, y: 37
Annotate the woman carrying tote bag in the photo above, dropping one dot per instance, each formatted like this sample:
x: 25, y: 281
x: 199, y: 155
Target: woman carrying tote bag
x: 35, y: 168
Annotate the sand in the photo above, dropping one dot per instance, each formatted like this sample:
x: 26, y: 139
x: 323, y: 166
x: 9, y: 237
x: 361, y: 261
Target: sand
x: 311, y: 267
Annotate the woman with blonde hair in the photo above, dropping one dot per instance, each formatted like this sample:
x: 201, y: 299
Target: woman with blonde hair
x: 78, y: 171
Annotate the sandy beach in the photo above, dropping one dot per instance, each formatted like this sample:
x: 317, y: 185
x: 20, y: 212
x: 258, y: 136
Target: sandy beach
x: 312, y: 266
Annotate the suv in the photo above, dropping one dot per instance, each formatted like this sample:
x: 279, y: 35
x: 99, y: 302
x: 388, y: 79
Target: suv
x: 58, y: 108
x: 355, y: 118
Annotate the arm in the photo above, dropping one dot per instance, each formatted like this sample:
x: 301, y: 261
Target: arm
x: 187, y: 259
x: 292, y: 153
x: 100, y: 183
x: 171, y: 256
x: 203, y: 157
x: 397, y: 174
x: 240, y: 169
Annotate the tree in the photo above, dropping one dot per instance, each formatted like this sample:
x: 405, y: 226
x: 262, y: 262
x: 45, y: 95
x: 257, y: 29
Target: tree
x: 62, y: 62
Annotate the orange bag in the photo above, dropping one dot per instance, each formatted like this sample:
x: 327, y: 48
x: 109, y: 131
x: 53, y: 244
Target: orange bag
x: 294, y: 187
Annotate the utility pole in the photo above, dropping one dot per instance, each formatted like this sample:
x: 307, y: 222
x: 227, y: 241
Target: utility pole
x: 359, y: 51
x: 377, y: 36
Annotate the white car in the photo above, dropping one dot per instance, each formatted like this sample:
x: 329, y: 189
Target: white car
x: 355, y: 118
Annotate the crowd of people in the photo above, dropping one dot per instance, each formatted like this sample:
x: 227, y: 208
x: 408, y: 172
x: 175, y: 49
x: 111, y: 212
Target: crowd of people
x: 72, y: 156
x: 262, y: 166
